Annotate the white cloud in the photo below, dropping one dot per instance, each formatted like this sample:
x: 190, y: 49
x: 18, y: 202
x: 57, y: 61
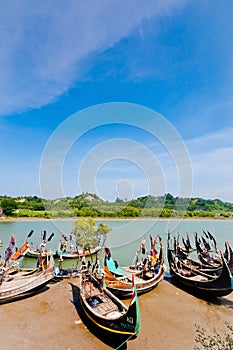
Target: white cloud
x: 43, y: 45
x: 220, y: 139
x: 212, y: 161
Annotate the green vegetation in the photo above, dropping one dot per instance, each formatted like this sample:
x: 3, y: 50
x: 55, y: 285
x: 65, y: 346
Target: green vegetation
x: 9, y: 206
x: 217, y: 341
x: 87, y: 235
x: 90, y: 205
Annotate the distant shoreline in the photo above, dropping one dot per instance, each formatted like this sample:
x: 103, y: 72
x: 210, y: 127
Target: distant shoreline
x: 27, y: 219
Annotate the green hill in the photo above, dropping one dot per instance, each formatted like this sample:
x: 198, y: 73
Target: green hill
x: 87, y: 204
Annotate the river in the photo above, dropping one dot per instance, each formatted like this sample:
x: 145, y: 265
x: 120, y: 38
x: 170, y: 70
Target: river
x: 124, y: 238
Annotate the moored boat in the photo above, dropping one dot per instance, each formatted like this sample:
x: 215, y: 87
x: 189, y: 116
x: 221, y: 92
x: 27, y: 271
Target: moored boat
x: 42, y: 250
x: 146, y: 276
x: 199, y: 282
x: 20, y: 251
x: 35, y: 253
x: 228, y: 254
x: 63, y: 253
x: 106, y: 311
x: 205, y: 254
x: 19, y: 283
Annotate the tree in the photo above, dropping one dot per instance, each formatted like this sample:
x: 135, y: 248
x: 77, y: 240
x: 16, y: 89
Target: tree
x: 129, y: 211
x: 118, y: 200
x: 9, y: 206
x: 87, y: 235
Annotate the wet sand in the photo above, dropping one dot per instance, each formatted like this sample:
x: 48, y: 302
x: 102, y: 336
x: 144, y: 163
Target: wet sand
x: 50, y: 320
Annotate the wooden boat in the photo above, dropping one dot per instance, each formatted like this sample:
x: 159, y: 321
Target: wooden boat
x: 20, y: 252
x: 186, y: 248
x: 212, y: 256
x: 105, y: 311
x: 63, y: 253
x: 42, y: 250
x: 19, y: 283
x: 187, y: 261
x: 35, y: 253
x: 113, y: 265
x: 145, y: 282
x: 196, y: 281
x: 206, y: 255
x: 149, y: 259
x: 146, y: 277
x: 65, y: 273
x: 228, y: 254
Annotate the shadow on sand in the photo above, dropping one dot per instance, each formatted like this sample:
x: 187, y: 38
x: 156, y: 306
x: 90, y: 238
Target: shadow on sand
x: 208, y: 299
x: 114, y: 341
x: 26, y: 295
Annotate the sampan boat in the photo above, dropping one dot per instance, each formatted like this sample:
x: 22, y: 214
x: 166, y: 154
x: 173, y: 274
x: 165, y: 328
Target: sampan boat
x: 106, y: 311
x: 146, y: 277
x: 18, y: 283
x: 75, y: 254
x: 33, y: 253
x: 204, y: 254
x: 199, y: 282
x: 229, y: 255
x: 20, y: 251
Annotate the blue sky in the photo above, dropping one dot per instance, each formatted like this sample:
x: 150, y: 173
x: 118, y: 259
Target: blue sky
x: 58, y: 59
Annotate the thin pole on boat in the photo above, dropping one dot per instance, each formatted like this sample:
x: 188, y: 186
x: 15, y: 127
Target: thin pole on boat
x: 124, y: 342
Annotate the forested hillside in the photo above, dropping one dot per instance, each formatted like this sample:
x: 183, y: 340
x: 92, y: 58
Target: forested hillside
x: 87, y: 204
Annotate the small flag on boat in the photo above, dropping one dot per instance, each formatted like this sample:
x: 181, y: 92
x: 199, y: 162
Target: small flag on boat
x: 155, y: 240
x: 107, y: 253
x: 12, y: 241
x: 143, y: 250
x: 9, y: 251
x: 133, y: 290
x: 153, y: 250
x: 71, y: 235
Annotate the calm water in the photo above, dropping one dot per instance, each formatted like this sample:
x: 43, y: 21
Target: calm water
x: 125, y: 237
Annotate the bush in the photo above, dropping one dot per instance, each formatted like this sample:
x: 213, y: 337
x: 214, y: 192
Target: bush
x: 223, y: 341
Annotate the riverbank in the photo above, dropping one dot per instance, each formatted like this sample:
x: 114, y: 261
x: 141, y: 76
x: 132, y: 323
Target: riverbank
x: 31, y: 219
x: 168, y: 318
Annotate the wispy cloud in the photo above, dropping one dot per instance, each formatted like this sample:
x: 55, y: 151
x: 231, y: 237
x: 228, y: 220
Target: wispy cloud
x: 211, y: 141
x: 212, y: 162
x: 43, y: 46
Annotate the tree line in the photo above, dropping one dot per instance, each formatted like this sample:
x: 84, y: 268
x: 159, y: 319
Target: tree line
x: 90, y: 205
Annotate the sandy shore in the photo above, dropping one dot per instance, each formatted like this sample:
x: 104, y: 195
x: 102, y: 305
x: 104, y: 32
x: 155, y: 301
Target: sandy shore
x: 50, y: 320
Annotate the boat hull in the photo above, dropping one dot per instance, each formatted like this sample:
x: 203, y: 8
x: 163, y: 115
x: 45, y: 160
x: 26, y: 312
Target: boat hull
x: 17, y: 286
x: 121, y: 327
x: 76, y: 254
x: 36, y: 253
x: 200, y: 283
x: 123, y: 289
x: 106, y: 312
x: 145, y: 278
